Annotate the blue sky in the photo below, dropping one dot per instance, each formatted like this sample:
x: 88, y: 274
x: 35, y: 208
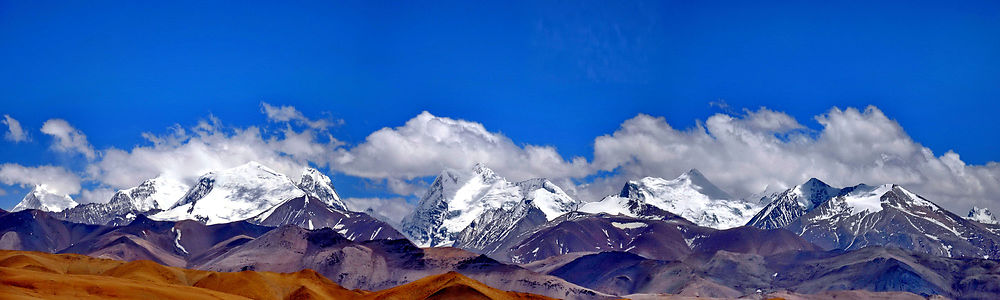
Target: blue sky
x: 537, y: 72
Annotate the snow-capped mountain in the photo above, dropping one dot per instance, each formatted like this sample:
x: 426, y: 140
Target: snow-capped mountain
x: 43, y: 198
x: 478, y: 208
x: 318, y: 185
x: 982, y: 215
x: 890, y: 215
x: 784, y: 207
x: 150, y: 196
x: 690, y: 195
x: 232, y: 195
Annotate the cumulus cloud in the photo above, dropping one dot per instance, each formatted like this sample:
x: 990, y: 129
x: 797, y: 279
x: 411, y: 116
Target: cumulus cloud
x: 15, y: 132
x: 392, y: 209
x: 97, y: 195
x: 746, y: 153
x: 427, y: 144
x: 186, y: 154
x: 291, y: 114
x: 55, y: 178
x: 67, y: 138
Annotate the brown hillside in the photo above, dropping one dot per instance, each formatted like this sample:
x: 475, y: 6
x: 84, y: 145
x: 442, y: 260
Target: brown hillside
x: 36, y: 275
x: 451, y: 285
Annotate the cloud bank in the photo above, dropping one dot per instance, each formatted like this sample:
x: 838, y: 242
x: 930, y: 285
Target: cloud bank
x: 55, y: 178
x: 743, y: 152
x: 762, y: 148
x: 427, y: 144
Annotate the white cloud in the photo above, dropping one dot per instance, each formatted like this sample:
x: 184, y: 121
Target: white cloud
x: 98, y: 195
x: 3, y: 192
x: 55, y: 178
x: 67, y: 138
x: 760, y: 148
x: 14, y: 131
x: 393, y: 209
x: 742, y: 152
x: 427, y: 144
x: 290, y: 114
x: 185, y: 154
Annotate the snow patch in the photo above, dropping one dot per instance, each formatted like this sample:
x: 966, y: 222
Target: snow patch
x: 630, y: 225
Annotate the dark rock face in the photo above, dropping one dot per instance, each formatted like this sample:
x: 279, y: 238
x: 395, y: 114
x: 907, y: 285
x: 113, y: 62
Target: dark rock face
x: 672, y: 239
x: 36, y: 230
x: 586, y: 233
x: 310, y: 213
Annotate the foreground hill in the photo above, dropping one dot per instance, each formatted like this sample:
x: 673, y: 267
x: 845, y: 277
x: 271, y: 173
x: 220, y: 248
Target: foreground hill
x: 35, y: 275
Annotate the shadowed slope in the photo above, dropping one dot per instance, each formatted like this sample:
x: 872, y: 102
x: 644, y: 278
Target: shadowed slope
x: 451, y: 285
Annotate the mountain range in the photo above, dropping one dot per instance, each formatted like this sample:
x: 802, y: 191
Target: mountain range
x: 681, y: 236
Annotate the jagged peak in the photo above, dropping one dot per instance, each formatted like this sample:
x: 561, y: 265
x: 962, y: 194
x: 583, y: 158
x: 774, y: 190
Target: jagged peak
x: 815, y: 182
x: 482, y: 170
x: 982, y: 215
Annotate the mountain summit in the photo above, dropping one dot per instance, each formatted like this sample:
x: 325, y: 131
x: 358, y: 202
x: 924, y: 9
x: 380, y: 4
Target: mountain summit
x: 691, y: 195
x: 484, y: 205
x: 783, y: 208
x: 232, y: 195
x: 43, y: 198
x: 982, y: 215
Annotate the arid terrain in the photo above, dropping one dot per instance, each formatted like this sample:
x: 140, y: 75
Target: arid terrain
x: 36, y: 275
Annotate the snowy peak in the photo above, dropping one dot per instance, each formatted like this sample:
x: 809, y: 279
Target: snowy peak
x: 156, y: 193
x: 890, y: 215
x: 696, y: 180
x: 982, y: 215
x: 232, y: 195
x: 456, y: 199
x: 691, y: 196
x: 43, y: 198
x: 319, y: 186
x: 547, y: 197
x: 784, y: 207
x: 486, y: 173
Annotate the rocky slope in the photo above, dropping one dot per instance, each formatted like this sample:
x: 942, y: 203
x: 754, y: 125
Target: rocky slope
x: 310, y: 213
x: 890, y: 215
x: 785, y: 207
x: 379, y: 264
x: 671, y: 239
x: 149, y: 197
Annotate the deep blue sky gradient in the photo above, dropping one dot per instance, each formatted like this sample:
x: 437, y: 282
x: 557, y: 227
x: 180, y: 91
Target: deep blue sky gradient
x: 542, y: 72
